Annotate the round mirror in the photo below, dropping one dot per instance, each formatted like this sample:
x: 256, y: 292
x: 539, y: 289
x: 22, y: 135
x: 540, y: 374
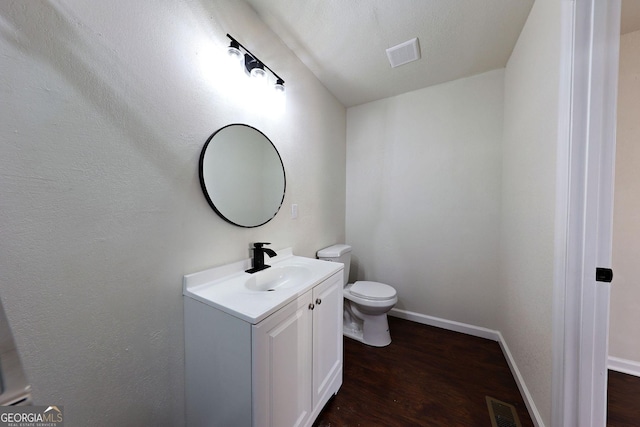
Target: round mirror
x: 242, y: 175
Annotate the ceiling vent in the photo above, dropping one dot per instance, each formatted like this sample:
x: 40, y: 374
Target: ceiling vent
x: 404, y: 53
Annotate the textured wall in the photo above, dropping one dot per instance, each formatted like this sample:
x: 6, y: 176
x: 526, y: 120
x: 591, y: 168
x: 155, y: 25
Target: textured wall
x: 423, y: 196
x: 105, y: 107
x: 624, y: 340
x: 528, y: 199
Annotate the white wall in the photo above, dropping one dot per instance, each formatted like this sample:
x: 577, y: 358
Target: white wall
x: 105, y: 108
x: 528, y: 199
x: 624, y: 341
x: 423, y: 196
x: 451, y: 198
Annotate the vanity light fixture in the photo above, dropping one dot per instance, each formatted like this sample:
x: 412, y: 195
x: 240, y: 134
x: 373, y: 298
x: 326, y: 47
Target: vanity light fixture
x: 253, y: 66
x: 279, y: 87
x: 234, y: 50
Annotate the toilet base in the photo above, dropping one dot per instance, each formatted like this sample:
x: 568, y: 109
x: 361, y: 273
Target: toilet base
x: 374, y: 332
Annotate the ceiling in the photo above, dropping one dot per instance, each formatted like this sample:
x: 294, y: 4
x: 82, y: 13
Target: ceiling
x: 344, y: 42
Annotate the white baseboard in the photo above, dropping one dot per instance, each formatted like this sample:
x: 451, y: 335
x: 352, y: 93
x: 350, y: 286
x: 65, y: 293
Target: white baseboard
x: 450, y: 325
x: 625, y: 366
x: 524, y: 391
x: 481, y: 332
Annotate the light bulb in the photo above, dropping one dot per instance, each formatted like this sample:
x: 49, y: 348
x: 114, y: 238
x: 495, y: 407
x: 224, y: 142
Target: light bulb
x: 234, y: 50
x: 234, y: 53
x: 259, y: 74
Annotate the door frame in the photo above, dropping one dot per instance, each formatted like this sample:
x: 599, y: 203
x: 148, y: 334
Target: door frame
x: 584, y: 210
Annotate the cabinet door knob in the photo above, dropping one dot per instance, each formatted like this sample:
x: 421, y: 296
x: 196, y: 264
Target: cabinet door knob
x: 311, y: 306
x: 318, y: 301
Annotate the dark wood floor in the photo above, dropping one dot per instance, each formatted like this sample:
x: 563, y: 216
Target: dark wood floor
x: 434, y: 377
x: 427, y: 377
x: 623, y: 400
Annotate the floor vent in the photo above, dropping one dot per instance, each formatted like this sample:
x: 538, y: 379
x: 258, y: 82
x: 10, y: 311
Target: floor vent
x: 502, y: 414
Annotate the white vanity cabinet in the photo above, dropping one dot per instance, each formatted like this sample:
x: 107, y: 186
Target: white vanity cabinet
x: 279, y: 372
x: 297, y: 357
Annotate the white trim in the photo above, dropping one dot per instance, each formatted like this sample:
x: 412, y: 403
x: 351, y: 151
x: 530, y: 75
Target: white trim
x: 524, y: 391
x: 584, y: 227
x: 450, y: 325
x: 625, y: 366
x: 478, y: 331
x: 599, y: 210
x: 563, y: 397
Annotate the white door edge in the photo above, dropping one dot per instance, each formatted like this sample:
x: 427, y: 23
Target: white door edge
x: 586, y: 152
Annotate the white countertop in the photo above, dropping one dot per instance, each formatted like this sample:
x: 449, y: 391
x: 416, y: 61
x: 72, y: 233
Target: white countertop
x: 224, y: 287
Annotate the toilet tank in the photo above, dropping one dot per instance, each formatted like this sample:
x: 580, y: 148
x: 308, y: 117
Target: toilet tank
x: 337, y: 253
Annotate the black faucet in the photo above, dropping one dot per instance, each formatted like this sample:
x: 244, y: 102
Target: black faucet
x: 258, y: 257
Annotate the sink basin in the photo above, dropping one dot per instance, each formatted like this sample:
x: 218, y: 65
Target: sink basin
x: 275, y: 278
x: 254, y: 297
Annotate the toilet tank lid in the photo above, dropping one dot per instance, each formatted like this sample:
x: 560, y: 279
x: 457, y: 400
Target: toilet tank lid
x: 334, y: 251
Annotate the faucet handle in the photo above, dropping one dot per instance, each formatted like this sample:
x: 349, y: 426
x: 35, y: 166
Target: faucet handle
x: 260, y: 244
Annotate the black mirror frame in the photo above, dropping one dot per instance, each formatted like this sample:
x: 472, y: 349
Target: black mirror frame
x: 204, y: 187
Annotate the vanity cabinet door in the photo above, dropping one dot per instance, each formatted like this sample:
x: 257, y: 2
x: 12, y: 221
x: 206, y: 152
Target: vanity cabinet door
x: 327, y: 339
x: 281, y: 358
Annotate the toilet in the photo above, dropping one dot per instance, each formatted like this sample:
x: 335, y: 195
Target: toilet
x: 366, y: 303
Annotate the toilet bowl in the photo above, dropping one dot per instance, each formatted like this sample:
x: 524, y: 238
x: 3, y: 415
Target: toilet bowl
x: 366, y: 307
x: 366, y: 303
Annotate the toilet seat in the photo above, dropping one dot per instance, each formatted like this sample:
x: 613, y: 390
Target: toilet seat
x: 374, y: 291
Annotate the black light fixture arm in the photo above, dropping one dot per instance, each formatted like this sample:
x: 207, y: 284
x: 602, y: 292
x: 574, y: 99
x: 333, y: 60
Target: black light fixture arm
x: 279, y: 79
